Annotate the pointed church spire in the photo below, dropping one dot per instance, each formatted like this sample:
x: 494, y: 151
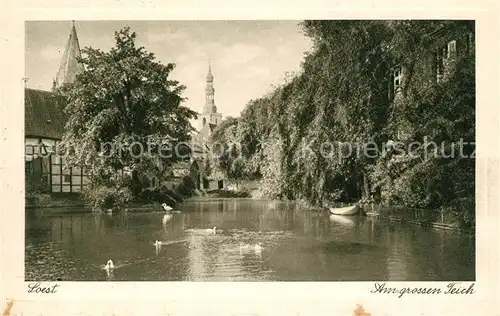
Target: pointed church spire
x: 210, y: 77
x: 209, y: 117
x: 69, y: 67
x: 209, y: 92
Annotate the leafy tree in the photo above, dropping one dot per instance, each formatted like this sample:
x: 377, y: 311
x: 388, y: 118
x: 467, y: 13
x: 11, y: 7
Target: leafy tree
x: 124, y: 112
x: 342, y: 97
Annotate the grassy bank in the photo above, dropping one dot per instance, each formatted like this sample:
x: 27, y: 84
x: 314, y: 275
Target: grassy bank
x: 105, y: 198
x: 59, y: 202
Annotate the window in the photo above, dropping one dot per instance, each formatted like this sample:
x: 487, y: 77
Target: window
x: 470, y: 44
x: 444, y: 60
x: 67, y: 178
x: 440, y: 65
x: 398, y: 76
x: 451, y: 48
x: 395, y: 82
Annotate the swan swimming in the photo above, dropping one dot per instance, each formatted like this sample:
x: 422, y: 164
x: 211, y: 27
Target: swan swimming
x: 109, y: 265
x: 166, y: 207
x: 243, y: 246
x: 214, y: 230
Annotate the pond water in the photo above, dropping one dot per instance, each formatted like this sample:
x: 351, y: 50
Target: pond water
x: 296, y: 245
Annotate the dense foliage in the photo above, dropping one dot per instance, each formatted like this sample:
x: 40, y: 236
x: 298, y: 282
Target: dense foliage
x: 225, y: 152
x: 124, y: 113
x: 297, y: 139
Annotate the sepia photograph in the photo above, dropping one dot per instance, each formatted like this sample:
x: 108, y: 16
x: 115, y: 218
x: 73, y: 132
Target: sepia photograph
x: 250, y: 150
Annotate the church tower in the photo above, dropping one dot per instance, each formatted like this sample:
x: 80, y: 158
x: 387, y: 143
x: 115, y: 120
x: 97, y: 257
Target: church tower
x: 210, y: 116
x: 69, y: 66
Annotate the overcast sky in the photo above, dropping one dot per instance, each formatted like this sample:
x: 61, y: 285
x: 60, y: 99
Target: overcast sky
x: 246, y: 56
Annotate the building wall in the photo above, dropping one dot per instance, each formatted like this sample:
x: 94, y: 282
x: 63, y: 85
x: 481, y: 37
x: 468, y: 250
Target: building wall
x: 69, y: 180
x: 447, y: 46
x: 48, y: 171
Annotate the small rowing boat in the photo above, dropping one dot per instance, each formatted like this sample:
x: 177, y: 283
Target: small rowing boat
x: 348, y: 210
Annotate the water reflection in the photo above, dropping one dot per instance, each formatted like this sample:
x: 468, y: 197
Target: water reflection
x: 343, y: 220
x: 296, y: 245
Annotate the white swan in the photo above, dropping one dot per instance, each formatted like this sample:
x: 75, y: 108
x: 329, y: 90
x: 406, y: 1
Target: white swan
x: 258, y: 247
x: 166, y: 207
x: 244, y: 246
x: 109, y: 265
x: 214, y: 230
x: 218, y: 231
x: 157, y: 243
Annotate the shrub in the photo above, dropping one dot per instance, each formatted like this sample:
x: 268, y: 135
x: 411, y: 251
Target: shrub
x: 464, y: 209
x: 147, y: 195
x: 189, y: 182
x: 174, y: 195
x: 161, y: 194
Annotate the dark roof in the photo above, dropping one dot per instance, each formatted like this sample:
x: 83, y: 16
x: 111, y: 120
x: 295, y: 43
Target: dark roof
x: 43, y: 114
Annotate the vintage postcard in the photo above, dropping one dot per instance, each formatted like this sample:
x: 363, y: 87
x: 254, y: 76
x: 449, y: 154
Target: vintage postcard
x: 168, y: 164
